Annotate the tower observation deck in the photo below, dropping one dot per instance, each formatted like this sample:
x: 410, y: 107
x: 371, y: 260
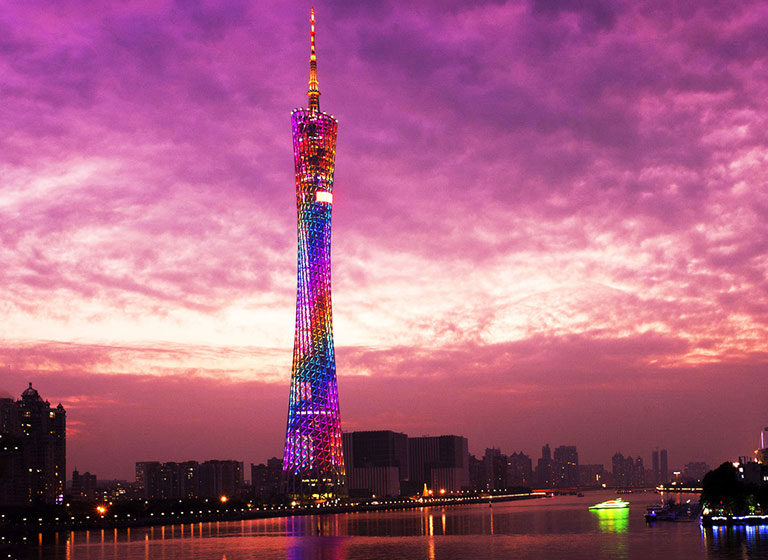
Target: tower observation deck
x: 313, y: 462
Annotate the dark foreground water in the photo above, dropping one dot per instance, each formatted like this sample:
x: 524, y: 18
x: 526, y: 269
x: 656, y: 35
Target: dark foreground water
x: 560, y: 527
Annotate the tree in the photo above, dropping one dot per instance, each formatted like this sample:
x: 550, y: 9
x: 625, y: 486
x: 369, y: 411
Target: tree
x: 724, y: 491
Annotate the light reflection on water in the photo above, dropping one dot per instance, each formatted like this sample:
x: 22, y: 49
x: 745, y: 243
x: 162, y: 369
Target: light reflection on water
x: 560, y: 527
x: 749, y: 540
x: 612, y: 520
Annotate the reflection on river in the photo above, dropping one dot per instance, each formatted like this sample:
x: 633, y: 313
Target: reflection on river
x: 560, y: 527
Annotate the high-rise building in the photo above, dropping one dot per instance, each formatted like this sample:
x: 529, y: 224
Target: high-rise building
x: 376, y: 462
x: 694, y: 472
x: 565, y: 465
x: 265, y: 479
x: 83, y: 486
x: 627, y: 472
x: 519, y: 470
x: 477, y: 478
x: 313, y: 461
x: 659, y: 467
x: 592, y: 475
x: 189, y: 479
x: 33, y: 450
x: 170, y: 481
x: 220, y: 478
x: 544, y: 474
x: 11, y: 454
x: 495, y: 467
x: 440, y: 462
x: 148, y: 479
x: 761, y: 454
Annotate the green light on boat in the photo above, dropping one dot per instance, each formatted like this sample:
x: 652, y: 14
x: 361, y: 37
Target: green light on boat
x: 618, y: 503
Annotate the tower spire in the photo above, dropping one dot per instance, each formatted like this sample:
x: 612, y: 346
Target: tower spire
x: 314, y: 89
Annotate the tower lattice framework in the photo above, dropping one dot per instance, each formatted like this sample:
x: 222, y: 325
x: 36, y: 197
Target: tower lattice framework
x: 313, y: 462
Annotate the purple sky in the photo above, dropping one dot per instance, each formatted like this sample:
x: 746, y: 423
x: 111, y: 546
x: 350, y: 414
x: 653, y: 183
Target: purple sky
x: 549, y: 222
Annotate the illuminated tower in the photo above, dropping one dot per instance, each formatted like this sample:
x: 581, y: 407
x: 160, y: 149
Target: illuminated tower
x: 313, y: 462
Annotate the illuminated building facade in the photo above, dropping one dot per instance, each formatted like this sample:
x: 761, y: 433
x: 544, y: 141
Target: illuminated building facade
x: 313, y: 462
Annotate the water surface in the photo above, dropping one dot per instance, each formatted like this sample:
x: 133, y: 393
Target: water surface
x: 560, y: 527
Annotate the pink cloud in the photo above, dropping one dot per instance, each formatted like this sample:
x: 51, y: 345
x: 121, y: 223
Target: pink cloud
x: 542, y: 209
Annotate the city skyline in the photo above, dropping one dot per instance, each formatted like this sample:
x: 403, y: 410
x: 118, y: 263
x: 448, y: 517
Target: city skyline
x: 550, y: 227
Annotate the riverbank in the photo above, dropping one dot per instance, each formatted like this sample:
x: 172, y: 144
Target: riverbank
x: 709, y: 520
x: 24, y: 533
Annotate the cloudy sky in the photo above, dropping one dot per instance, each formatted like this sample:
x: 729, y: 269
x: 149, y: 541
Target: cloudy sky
x: 549, y: 222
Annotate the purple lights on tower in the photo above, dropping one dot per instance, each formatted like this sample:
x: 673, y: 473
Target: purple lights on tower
x: 313, y: 462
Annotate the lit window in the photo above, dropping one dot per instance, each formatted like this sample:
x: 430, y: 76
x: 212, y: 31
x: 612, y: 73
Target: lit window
x: 323, y: 196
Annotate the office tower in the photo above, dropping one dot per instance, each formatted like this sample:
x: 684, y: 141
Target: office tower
x: 376, y: 462
x: 33, y: 450
x: 656, y: 467
x: 313, y: 461
x: 663, y: 468
x: 566, y: 466
x: 440, y: 462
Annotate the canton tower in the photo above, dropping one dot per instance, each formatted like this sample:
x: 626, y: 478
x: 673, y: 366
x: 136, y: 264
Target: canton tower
x: 313, y: 462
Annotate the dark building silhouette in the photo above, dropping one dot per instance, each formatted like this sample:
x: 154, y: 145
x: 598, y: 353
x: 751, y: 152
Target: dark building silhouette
x: 663, y: 466
x: 695, y: 471
x: 440, y: 462
x: 83, y: 486
x: 565, y: 466
x: 628, y: 472
x: 592, y: 475
x: 544, y: 474
x: 189, y: 479
x: 148, y: 479
x: 660, y: 471
x: 477, y: 478
x: 495, y: 467
x: 33, y: 450
x: 519, y: 470
x: 498, y: 471
x: 220, y: 478
x: 377, y: 462
x: 266, y: 479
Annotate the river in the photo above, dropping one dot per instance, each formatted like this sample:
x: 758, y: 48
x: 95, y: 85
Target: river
x: 552, y: 528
